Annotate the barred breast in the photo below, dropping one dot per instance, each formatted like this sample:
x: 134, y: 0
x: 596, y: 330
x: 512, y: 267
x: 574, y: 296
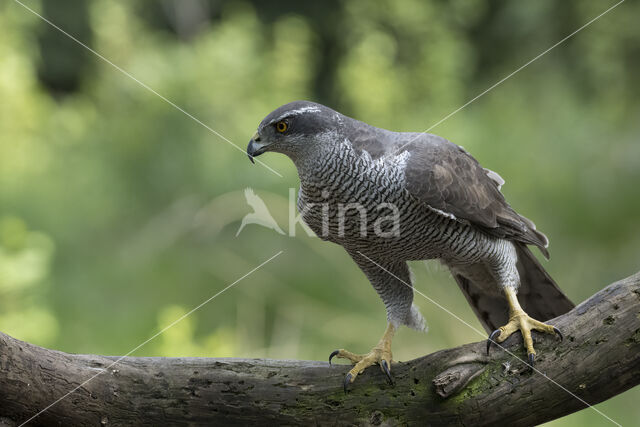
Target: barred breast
x: 360, y: 203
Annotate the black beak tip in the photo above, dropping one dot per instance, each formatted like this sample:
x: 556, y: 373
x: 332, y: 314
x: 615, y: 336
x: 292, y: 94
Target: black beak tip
x: 250, y: 151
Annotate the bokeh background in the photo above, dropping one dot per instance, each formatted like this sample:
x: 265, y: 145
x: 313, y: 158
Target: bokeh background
x: 118, y: 213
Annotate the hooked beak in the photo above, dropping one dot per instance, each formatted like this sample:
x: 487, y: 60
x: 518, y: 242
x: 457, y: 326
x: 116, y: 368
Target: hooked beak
x: 255, y: 148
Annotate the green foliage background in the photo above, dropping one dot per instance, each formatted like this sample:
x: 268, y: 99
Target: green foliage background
x: 118, y: 213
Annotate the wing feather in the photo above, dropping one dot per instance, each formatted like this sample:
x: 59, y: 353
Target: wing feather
x: 445, y: 177
x: 449, y: 180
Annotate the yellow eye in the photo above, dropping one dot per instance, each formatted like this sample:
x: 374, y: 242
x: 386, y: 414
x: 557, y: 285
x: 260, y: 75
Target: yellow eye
x: 281, y: 126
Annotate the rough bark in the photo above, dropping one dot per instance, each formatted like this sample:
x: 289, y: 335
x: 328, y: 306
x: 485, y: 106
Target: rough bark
x: 599, y: 358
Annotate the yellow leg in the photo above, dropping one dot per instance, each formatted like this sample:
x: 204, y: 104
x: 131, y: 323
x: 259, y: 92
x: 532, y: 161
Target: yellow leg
x: 380, y: 354
x: 519, y: 320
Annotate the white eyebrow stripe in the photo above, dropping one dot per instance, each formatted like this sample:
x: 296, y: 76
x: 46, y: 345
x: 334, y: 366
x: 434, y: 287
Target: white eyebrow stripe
x: 307, y: 109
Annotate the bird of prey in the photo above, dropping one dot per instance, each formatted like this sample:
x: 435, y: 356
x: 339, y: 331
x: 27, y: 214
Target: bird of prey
x: 392, y: 197
x: 260, y: 214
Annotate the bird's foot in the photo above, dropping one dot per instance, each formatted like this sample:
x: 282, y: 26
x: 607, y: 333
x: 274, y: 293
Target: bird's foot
x: 378, y: 355
x: 519, y: 320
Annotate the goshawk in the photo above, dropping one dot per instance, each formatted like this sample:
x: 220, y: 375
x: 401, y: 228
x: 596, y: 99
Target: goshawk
x: 392, y: 197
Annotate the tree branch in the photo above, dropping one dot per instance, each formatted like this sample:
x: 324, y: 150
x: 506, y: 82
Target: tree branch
x: 599, y: 358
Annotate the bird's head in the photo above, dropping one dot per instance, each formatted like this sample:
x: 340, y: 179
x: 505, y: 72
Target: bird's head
x: 293, y: 129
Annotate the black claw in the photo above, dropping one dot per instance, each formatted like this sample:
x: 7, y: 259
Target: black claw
x: 385, y: 367
x: 493, y: 335
x: 332, y: 355
x: 532, y: 358
x: 558, y: 333
x: 347, y: 380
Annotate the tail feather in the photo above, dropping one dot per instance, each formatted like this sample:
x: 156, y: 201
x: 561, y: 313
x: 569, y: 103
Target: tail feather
x: 539, y: 295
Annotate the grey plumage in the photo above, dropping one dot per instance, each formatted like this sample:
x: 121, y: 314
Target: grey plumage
x: 449, y: 208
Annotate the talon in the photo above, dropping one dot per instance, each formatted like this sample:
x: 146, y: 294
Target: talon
x: 558, y: 333
x: 493, y: 335
x: 332, y: 355
x: 532, y: 358
x: 520, y: 320
x: 347, y: 380
x: 385, y: 368
x: 379, y: 355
